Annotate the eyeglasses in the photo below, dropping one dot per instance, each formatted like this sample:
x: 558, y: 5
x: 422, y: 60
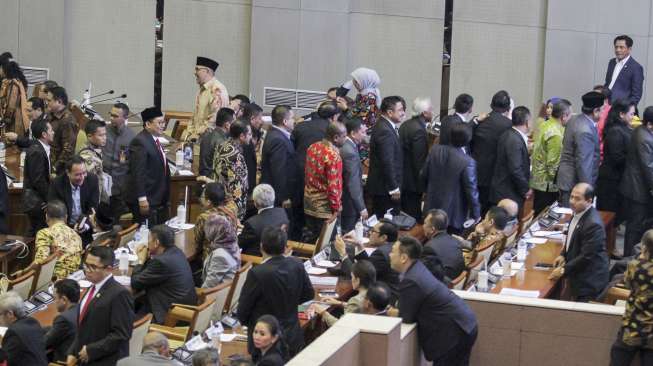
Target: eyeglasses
x: 92, y: 268
x: 375, y: 231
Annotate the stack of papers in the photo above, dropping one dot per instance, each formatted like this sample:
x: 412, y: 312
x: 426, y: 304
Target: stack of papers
x: 519, y: 293
x: 323, y: 281
x: 563, y: 210
x: 325, y: 263
x: 536, y: 240
x: 316, y: 271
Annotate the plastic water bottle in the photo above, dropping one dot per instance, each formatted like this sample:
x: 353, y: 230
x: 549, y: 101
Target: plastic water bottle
x: 3, y: 152
x: 22, y: 159
x: 179, y: 158
x: 358, y: 229
x: 482, y: 281
x: 188, y: 156
x: 507, y: 264
x: 181, y: 214
x: 521, y: 251
x: 123, y: 262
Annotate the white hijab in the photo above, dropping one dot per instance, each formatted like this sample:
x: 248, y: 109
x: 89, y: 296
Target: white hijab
x: 369, y: 81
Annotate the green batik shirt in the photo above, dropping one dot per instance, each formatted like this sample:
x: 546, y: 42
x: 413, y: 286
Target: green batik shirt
x: 547, y: 146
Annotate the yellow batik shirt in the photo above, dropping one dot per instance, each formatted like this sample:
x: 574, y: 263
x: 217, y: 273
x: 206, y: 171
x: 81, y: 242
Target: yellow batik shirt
x: 63, y: 239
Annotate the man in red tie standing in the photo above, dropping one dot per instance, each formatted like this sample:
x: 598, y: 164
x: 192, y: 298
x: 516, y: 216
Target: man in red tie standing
x: 149, y: 175
x: 106, y: 314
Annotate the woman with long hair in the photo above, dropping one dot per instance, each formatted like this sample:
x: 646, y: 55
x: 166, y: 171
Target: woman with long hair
x: 616, y: 137
x: 269, y: 346
x: 13, y: 99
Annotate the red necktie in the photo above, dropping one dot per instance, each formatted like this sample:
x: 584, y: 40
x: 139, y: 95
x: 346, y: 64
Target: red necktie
x: 163, y: 155
x: 91, y: 293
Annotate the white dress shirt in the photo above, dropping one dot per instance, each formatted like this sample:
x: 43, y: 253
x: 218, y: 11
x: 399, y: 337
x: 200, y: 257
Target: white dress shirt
x: 98, y: 286
x: 572, y: 227
x: 617, y: 70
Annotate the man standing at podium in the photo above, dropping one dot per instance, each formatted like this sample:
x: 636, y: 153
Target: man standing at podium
x: 210, y: 98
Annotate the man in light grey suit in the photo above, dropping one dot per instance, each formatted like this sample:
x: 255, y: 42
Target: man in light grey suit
x: 155, y: 352
x: 580, y: 157
x: 353, y: 205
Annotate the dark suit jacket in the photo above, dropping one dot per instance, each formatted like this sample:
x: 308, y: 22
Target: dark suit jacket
x: 615, y: 148
x: 37, y: 172
x: 587, y: 264
x: 279, y: 165
x: 303, y: 136
x: 484, y: 145
x: 449, y: 176
x: 512, y: 170
x: 629, y: 82
x: 380, y: 259
x: 208, y: 142
x: 415, y: 146
x: 580, y: 156
x: 23, y: 343
x: 447, y: 123
x: 637, y: 182
x: 276, y: 287
x: 250, y: 238
x: 448, y: 253
x: 386, y: 159
x: 166, y: 278
x: 107, y: 326
x: 443, y: 319
x: 147, y: 176
x: 89, y: 193
x: 352, y: 180
x: 271, y: 358
x: 62, y: 333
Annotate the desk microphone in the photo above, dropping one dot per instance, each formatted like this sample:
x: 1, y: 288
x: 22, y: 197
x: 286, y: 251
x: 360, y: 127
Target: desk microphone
x: 99, y: 95
x: 108, y: 99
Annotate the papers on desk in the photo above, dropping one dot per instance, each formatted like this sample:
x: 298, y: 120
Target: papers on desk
x: 519, y: 293
x: 563, y: 210
x: 546, y: 234
x: 316, y: 271
x: 123, y: 280
x: 163, y: 140
x: 17, y: 184
x: 185, y: 172
x: 174, y: 224
x: 536, y: 240
x: 228, y: 337
x: 325, y: 264
x: 323, y: 281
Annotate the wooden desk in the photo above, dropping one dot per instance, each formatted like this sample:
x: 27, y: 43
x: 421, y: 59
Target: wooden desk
x: 8, y: 262
x: 532, y: 279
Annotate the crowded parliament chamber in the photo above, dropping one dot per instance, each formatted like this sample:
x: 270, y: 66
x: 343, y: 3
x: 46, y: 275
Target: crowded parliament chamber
x: 273, y: 182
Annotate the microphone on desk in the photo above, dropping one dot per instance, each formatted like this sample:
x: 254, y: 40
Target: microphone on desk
x: 112, y: 98
x: 105, y: 93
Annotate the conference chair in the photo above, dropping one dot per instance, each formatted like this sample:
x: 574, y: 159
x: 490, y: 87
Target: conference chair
x: 219, y: 294
x: 486, y: 250
x: 473, y: 269
x: 23, y: 284
x: 458, y: 283
x: 309, y: 250
x: 44, y: 273
x: 197, y: 317
x: 141, y: 327
x: 237, y: 287
x: 125, y: 236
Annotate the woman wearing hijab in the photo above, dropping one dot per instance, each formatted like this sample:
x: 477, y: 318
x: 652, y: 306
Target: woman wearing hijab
x: 13, y: 99
x: 224, y: 257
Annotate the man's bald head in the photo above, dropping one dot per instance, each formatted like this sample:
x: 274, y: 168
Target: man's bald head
x: 157, y: 342
x: 510, y: 206
x: 581, y: 197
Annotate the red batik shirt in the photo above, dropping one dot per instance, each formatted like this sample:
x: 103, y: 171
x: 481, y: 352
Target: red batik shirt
x: 323, y: 180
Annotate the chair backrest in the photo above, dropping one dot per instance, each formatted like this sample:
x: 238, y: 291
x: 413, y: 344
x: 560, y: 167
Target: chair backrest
x: 23, y: 284
x: 525, y: 222
x: 237, y: 286
x: 325, y: 236
x: 459, y: 282
x: 140, y: 330
x: 45, y: 273
x: 125, y: 236
x: 202, y: 317
x: 486, y: 251
x: 474, y: 268
x: 219, y: 294
x: 616, y: 293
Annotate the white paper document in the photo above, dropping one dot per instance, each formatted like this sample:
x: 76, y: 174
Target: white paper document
x: 563, y: 210
x: 323, y: 281
x: 325, y: 263
x: 536, y: 240
x: 519, y: 293
x: 316, y: 271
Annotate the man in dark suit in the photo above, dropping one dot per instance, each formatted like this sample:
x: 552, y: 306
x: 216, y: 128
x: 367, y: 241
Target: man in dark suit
x: 36, y: 182
x: 353, y: 203
x: 62, y: 333
x: 386, y: 160
x: 382, y: 235
x: 442, y: 254
x: 584, y: 260
x: 484, y: 144
x: 106, y: 314
x: 512, y: 169
x: 450, y: 177
x: 580, y: 156
x: 446, y: 326
x: 279, y: 161
x: 249, y: 239
x: 625, y: 76
x: 22, y: 343
x: 303, y: 136
x: 463, y: 115
x: 415, y: 147
x: 209, y: 140
x: 276, y: 287
x: 149, y: 175
x: 164, y: 275
x: 637, y: 183
x: 80, y: 193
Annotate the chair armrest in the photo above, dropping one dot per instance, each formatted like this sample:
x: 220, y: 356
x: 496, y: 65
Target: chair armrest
x: 251, y: 258
x: 177, y: 314
x: 178, y: 334
x: 302, y: 248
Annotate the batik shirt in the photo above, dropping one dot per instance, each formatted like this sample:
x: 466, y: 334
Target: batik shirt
x: 210, y: 98
x: 59, y: 238
x: 637, y: 322
x: 93, y: 160
x: 547, y: 147
x: 201, y: 242
x: 323, y: 180
x: 366, y: 109
x: 230, y: 169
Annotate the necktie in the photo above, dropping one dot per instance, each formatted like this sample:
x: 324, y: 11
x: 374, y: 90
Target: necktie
x: 91, y: 293
x: 163, y: 155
